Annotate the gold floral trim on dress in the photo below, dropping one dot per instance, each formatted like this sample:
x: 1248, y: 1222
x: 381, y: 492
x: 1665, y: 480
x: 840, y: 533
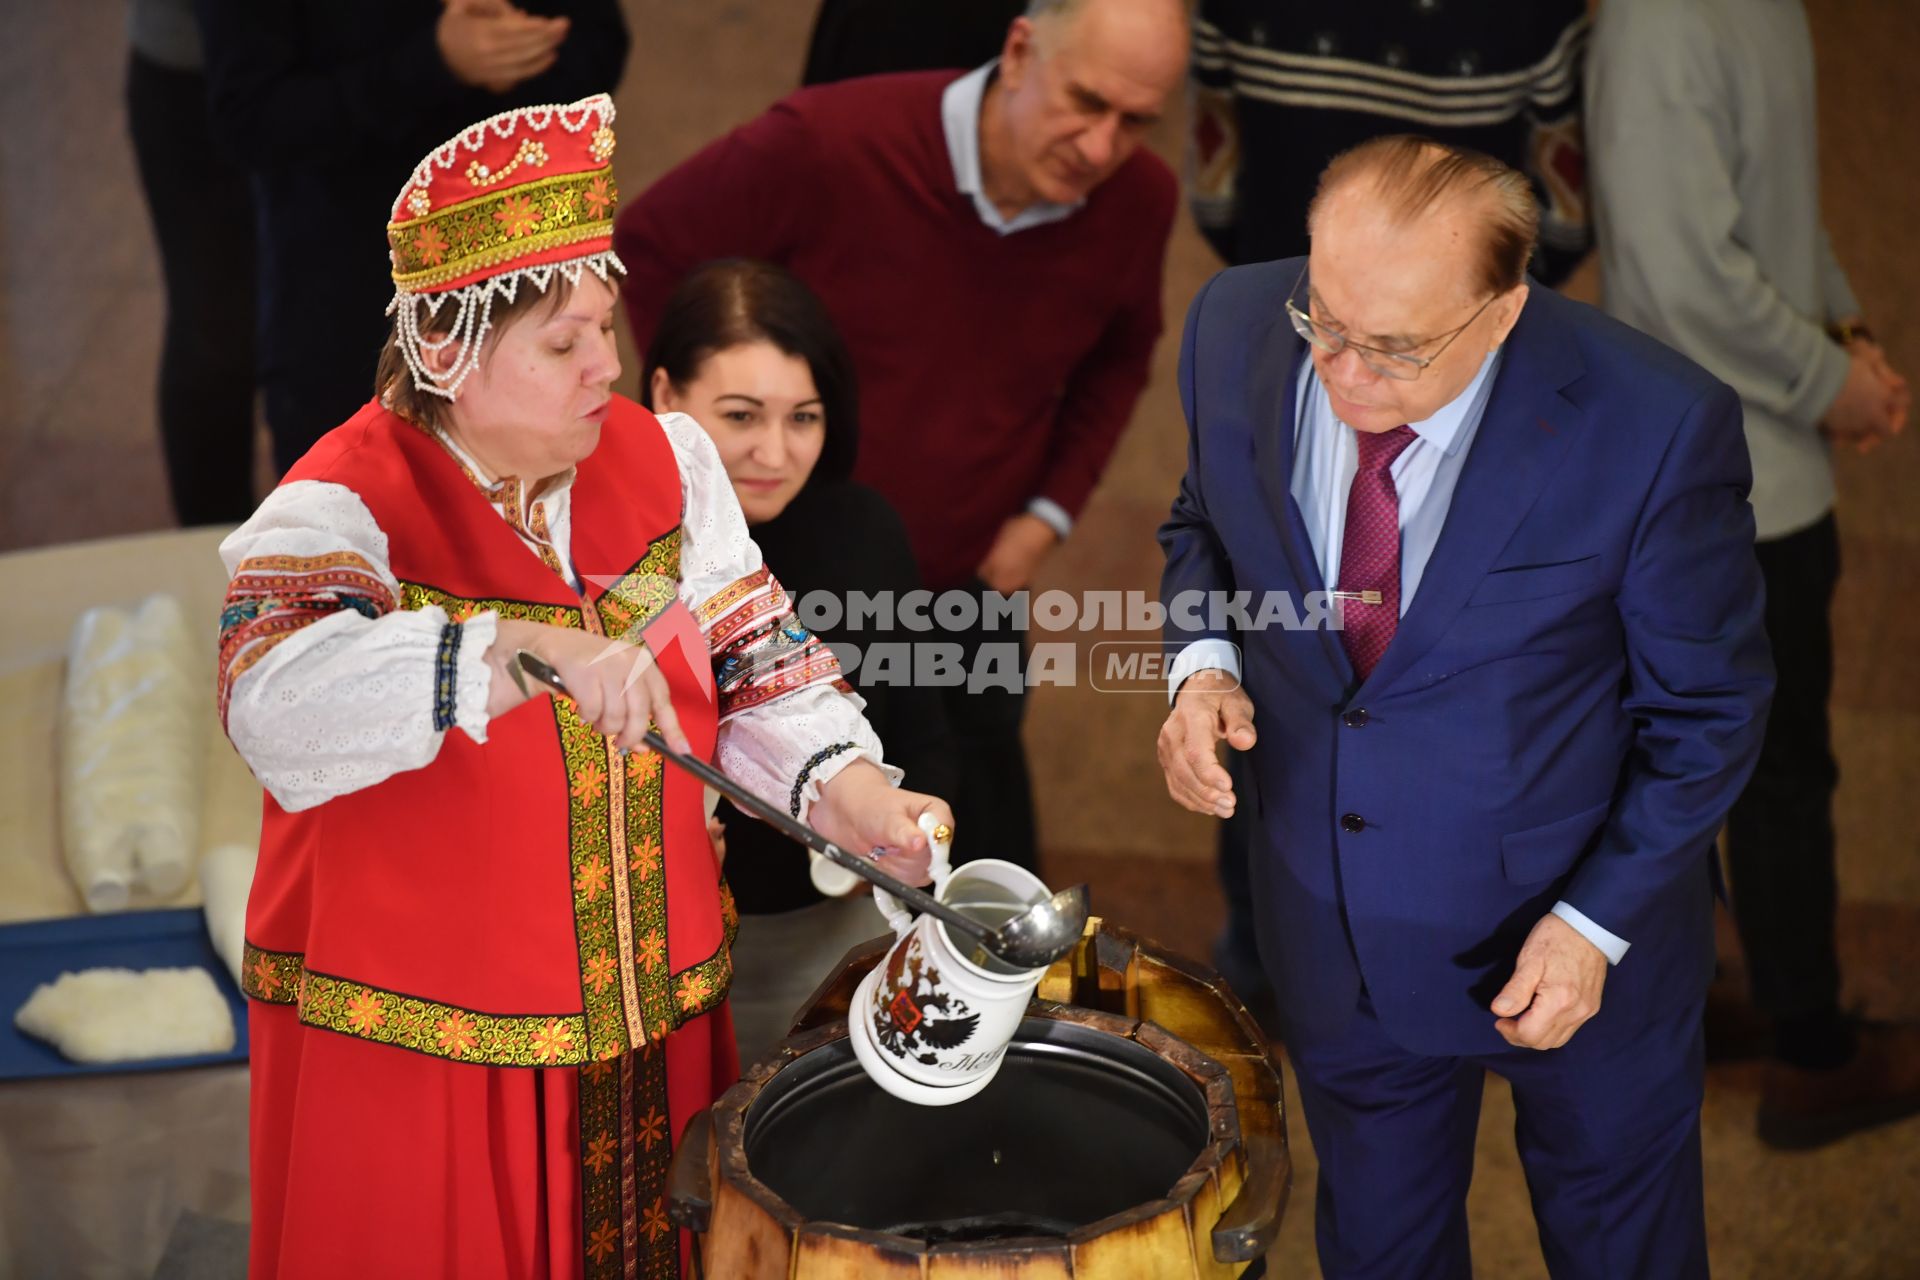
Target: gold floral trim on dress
x: 442, y: 1030
x: 626, y: 1144
x: 272, y: 976
x: 630, y: 995
x: 657, y: 1240
x: 490, y: 229
x: 449, y: 1031
x: 459, y: 608
x: 606, y: 1156
x: 643, y: 592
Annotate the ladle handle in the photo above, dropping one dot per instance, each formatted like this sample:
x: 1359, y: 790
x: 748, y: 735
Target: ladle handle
x: 897, y: 915
x: 800, y: 833
x: 787, y: 825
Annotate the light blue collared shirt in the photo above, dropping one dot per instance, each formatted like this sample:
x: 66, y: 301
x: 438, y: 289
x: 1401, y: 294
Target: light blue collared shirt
x: 960, y: 119
x: 1326, y: 455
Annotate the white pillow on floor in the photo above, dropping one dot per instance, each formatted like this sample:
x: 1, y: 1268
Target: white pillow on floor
x: 118, y: 1015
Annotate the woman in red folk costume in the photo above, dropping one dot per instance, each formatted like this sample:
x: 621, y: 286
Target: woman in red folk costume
x: 487, y: 941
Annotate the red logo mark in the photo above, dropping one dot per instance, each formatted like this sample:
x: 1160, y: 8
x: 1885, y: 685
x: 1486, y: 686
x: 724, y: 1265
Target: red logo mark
x: 906, y: 1014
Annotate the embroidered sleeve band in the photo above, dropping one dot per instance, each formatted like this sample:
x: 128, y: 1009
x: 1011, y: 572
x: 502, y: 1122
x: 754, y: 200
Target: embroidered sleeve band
x: 274, y: 597
x: 760, y: 650
x: 446, y: 668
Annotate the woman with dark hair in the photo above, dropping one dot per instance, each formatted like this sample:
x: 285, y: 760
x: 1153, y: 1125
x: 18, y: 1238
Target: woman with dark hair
x: 749, y: 353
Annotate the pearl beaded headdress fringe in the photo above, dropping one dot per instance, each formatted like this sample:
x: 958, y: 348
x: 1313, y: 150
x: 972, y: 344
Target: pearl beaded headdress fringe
x: 472, y: 317
x: 533, y: 198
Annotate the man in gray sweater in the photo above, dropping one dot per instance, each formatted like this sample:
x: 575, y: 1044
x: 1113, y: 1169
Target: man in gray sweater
x: 1700, y: 129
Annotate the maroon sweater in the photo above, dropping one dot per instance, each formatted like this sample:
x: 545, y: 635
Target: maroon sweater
x: 993, y: 369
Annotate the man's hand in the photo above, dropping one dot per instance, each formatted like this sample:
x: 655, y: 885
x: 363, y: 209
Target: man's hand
x: 1555, y: 987
x: 1211, y: 705
x: 1899, y: 395
x: 491, y: 45
x: 1873, y: 403
x: 859, y: 810
x: 1018, y: 549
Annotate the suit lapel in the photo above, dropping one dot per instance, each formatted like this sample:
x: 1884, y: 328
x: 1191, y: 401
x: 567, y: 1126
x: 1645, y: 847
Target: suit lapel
x: 1523, y: 437
x: 1274, y: 412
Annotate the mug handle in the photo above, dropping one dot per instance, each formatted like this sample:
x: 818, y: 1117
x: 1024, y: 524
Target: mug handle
x: 830, y: 878
x: 897, y: 915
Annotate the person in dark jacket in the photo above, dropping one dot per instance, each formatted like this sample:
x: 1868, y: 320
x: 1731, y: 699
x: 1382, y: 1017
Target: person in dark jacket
x: 748, y: 352
x: 873, y: 37
x: 329, y: 106
x: 202, y: 211
x: 1283, y: 86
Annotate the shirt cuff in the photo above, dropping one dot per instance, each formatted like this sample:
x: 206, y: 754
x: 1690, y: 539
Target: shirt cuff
x: 1614, y: 948
x: 824, y: 766
x: 1203, y: 655
x: 1053, y: 514
x: 473, y: 678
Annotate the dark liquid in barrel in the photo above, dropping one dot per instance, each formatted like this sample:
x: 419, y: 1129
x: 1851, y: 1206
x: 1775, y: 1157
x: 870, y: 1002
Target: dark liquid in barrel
x: 1075, y: 1128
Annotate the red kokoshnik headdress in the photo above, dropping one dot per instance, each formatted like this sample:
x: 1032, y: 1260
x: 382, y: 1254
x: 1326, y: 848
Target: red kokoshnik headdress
x: 514, y: 198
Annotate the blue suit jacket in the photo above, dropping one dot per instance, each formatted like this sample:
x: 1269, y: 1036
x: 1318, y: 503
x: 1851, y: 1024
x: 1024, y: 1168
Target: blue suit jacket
x: 1572, y: 701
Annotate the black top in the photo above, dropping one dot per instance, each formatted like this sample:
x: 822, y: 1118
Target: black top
x: 840, y: 537
x: 872, y: 37
x: 330, y: 104
x: 1309, y: 79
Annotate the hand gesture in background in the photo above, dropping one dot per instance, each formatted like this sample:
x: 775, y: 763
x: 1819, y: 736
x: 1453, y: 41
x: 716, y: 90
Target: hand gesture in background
x: 1023, y: 542
x: 1874, y: 402
x: 492, y: 45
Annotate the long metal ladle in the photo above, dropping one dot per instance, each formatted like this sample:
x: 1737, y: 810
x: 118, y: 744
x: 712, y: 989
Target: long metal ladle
x: 1036, y: 937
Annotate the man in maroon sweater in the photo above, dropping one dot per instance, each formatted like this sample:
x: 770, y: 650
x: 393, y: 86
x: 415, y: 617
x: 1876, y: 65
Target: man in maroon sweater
x: 990, y: 244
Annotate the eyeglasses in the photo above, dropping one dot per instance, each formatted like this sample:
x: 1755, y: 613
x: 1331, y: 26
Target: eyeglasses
x: 1388, y: 364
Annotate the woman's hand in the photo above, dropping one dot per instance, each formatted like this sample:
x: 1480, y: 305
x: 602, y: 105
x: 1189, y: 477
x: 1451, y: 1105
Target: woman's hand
x: 614, y: 686
x: 859, y: 810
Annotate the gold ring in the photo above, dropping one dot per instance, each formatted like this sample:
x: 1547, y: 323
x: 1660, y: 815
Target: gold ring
x: 943, y: 834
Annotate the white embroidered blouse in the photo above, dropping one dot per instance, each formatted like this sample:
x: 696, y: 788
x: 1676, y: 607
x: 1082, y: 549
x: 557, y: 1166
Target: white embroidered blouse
x: 347, y: 700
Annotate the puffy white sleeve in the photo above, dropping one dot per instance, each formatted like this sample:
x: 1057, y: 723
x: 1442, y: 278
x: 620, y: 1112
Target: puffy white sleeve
x: 788, y: 721
x: 326, y: 684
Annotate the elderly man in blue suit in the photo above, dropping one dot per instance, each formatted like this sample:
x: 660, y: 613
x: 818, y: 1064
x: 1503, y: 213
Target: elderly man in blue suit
x: 1491, y: 793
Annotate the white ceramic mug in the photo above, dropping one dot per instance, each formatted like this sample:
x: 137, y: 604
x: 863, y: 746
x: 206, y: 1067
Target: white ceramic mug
x: 931, y: 1023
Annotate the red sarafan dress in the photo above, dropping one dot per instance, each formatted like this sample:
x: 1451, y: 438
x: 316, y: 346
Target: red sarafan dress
x: 488, y: 959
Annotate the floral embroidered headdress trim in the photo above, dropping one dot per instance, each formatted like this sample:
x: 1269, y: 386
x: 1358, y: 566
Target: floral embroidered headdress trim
x: 512, y: 200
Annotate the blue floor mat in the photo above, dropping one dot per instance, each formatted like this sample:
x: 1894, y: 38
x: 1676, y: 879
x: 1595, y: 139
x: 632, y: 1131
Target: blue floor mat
x: 40, y: 951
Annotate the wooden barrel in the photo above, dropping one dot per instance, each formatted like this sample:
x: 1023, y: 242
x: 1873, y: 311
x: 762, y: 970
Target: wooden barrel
x: 1111, y: 1145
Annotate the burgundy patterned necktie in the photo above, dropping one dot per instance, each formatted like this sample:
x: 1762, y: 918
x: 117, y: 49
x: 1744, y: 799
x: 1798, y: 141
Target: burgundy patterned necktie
x: 1369, y: 591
